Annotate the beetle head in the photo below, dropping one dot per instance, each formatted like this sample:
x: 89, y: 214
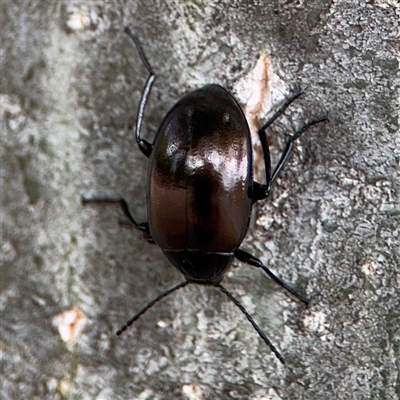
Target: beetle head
x: 199, y: 266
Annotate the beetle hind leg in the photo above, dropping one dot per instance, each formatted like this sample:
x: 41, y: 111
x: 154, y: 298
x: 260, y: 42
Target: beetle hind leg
x: 144, y: 226
x: 247, y: 258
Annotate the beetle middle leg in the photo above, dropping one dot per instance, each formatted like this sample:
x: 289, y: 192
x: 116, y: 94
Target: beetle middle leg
x: 144, y: 226
x: 144, y: 145
x: 247, y: 258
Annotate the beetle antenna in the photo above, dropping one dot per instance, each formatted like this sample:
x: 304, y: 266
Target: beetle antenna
x: 151, y: 304
x: 255, y: 326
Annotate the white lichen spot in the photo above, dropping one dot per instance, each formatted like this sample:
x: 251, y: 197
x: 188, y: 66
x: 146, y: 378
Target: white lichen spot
x: 162, y: 324
x: 8, y: 252
x: 64, y: 387
x: 152, y: 367
x: 265, y: 221
x: 78, y: 21
x: 70, y: 324
x: 51, y: 384
x: 272, y: 395
x: 192, y: 392
x: 146, y: 394
x: 106, y: 394
x: 385, y: 4
x: 7, y: 104
x: 11, y: 111
x: 316, y: 321
x: 202, y: 321
x: 371, y: 269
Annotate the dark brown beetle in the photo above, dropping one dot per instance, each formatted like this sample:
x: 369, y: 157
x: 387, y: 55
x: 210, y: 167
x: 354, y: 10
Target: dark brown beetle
x: 201, y: 188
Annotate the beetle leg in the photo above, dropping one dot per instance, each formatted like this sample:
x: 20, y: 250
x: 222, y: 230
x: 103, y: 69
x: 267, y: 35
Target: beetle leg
x: 144, y: 226
x: 282, y: 108
x: 289, y: 145
x: 151, y: 304
x: 261, y: 191
x: 247, y: 258
x: 255, y: 326
x: 144, y: 145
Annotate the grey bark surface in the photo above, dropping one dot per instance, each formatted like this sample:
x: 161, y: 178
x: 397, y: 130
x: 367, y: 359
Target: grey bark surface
x: 70, y: 86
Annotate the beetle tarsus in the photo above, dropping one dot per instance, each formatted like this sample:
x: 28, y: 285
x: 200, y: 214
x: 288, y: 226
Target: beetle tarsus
x: 140, y: 50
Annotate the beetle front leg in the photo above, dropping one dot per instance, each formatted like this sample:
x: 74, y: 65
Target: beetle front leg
x: 261, y: 191
x: 289, y: 145
x: 144, y: 145
x: 144, y: 226
x: 247, y: 258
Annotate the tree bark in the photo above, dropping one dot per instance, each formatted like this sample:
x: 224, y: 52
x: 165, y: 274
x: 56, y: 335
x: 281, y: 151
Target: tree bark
x: 71, y: 274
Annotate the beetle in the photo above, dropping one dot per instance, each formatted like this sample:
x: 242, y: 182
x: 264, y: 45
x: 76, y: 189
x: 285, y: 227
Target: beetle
x: 200, y: 188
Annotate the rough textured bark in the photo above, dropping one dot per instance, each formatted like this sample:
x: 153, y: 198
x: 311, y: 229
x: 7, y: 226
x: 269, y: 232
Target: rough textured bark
x: 71, y: 82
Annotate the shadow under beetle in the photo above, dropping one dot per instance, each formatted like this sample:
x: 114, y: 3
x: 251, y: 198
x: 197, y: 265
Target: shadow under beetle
x: 200, y: 188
